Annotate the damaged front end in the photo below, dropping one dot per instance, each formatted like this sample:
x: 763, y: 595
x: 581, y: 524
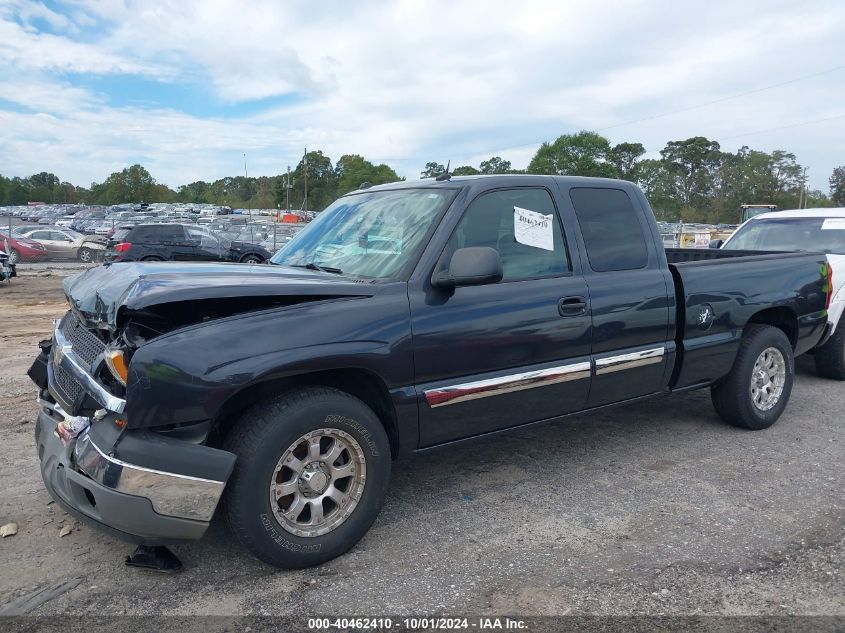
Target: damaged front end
x: 141, y: 486
x: 153, y: 482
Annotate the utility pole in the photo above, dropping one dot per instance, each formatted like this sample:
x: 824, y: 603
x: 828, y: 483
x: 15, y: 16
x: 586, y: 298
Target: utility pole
x: 287, y: 188
x: 305, y: 172
x: 246, y: 177
x: 804, y: 188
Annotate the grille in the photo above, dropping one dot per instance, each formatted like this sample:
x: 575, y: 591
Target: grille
x: 88, y: 347
x: 85, y: 343
x: 70, y: 389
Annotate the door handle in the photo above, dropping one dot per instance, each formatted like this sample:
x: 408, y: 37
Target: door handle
x: 572, y: 306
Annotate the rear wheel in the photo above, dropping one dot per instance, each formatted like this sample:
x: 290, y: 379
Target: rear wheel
x: 14, y: 257
x: 830, y: 357
x: 311, y: 476
x: 756, y: 391
x: 85, y: 255
x: 152, y: 258
x: 252, y: 259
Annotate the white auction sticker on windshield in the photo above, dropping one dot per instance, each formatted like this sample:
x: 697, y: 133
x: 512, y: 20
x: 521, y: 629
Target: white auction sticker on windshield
x: 832, y: 224
x: 533, y: 229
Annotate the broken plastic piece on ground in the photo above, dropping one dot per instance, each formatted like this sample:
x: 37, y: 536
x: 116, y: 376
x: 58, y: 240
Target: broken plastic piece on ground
x: 156, y: 558
x: 10, y: 529
x: 70, y: 427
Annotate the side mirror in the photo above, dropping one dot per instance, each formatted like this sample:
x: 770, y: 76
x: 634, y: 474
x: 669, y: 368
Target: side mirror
x: 716, y: 243
x: 471, y: 266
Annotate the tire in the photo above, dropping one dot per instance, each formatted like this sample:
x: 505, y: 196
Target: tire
x: 830, y: 357
x: 264, y: 436
x: 151, y: 258
x: 14, y: 256
x: 85, y: 255
x: 733, y: 396
x: 252, y: 259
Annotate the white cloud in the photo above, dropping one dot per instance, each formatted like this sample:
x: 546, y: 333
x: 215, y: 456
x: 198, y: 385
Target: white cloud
x: 412, y: 81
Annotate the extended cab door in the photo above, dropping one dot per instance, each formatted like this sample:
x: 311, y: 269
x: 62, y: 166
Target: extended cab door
x: 494, y: 356
x: 630, y: 289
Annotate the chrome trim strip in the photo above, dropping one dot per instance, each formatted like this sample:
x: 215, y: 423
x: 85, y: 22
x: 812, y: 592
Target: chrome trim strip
x: 169, y: 493
x: 612, y: 364
x: 64, y: 357
x: 474, y: 390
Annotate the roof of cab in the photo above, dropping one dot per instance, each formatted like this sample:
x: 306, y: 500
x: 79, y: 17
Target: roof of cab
x: 493, y: 180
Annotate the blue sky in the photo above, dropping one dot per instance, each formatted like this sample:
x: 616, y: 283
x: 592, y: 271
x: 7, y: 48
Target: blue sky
x: 188, y: 87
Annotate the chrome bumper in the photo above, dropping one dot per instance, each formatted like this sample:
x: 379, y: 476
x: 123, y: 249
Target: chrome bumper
x: 65, y: 358
x: 170, y: 494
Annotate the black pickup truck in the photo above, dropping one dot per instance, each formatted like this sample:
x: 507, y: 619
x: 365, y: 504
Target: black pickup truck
x: 405, y: 317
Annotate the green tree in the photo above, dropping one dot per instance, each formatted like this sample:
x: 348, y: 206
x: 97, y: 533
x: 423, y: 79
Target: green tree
x: 197, y: 192
x: 495, y: 165
x: 624, y: 157
x: 4, y: 190
x: 581, y: 154
x: 692, y: 164
x: 465, y: 170
x: 320, y: 181
x: 432, y: 170
x: 45, y: 187
x: 655, y: 180
x: 18, y: 192
x: 353, y: 170
x: 837, y: 186
x: 132, y: 184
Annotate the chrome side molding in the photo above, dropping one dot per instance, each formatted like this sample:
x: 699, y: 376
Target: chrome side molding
x: 611, y: 364
x: 506, y: 384
x: 476, y: 389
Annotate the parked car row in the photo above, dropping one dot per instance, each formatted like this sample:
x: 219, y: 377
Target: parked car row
x: 81, y: 232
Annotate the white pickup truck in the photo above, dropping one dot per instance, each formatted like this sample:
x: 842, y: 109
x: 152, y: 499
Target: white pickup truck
x: 819, y: 230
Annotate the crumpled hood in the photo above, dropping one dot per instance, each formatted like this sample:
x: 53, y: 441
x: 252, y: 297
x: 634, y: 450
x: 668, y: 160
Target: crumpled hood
x: 100, y: 293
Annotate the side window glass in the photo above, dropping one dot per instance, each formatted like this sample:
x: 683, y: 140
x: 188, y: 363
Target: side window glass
x: 611, y: 228
x: 522, y: 225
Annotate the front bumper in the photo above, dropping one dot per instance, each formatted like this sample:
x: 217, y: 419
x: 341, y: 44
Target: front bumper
x: 141, y: 486
x: 102, y: 504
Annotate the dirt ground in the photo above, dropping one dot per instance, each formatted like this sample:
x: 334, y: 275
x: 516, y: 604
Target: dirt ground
x: 656, y: 508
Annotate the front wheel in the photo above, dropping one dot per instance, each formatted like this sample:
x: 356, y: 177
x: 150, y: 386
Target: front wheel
x: 755, y: 393
x: 252, y: 259
x: 311, y: 476
x: 85, y: 255
x: 14, y: 256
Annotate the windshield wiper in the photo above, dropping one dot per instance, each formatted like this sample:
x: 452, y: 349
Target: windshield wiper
x: 322, y: 269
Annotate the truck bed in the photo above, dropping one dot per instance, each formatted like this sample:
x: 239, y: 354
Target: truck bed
x: 684, y: 255
x: 718, y: 291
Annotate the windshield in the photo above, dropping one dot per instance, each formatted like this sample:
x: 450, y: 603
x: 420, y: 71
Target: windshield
x: 824, y: 235
x: 372, y: 235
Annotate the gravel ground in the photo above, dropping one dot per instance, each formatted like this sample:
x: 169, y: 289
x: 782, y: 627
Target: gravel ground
x: 655, y: 508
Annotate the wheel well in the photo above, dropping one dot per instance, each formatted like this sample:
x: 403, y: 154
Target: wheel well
x: 362, y: 384
x: 781, y: 318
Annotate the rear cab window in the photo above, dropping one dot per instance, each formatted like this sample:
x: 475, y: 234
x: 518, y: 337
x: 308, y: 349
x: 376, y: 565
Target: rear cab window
x: 610, y: 224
